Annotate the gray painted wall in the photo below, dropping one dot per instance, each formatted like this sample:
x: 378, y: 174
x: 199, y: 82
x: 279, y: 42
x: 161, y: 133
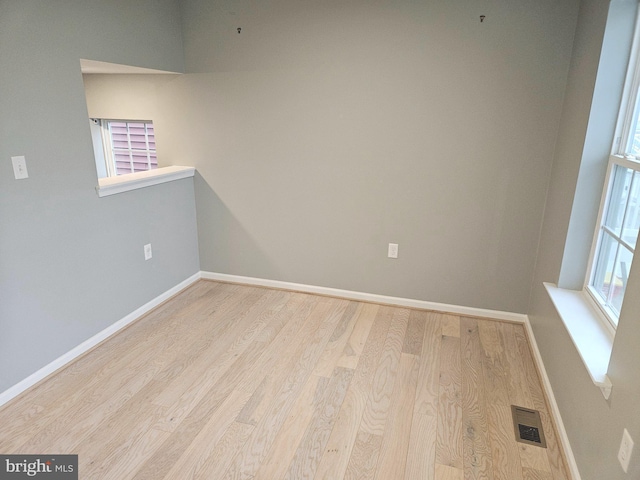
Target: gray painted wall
x: 593, y: 424
x: 71, y: 263
x: 326, y: 130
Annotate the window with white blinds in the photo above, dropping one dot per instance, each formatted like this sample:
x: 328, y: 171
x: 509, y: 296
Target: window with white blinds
x: 127, y: 146
x: 133, y: 146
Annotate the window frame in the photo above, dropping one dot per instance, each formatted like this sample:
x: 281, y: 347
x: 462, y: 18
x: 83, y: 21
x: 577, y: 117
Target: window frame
x: 609, y: 313
x: 629, y: 106
x: 628, y: 118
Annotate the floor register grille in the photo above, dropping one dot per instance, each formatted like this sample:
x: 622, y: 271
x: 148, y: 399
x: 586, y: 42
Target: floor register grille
x: 528, y: 426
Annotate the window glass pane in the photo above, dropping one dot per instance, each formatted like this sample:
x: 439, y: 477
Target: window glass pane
x: 632, y: 219
x: 604, y: 265
x: 619, y: 283
x: 618, y: 198
x: 633, y: 143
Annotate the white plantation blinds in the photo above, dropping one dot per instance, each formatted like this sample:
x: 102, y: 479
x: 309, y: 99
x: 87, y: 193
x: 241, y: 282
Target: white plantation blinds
x: 133, y: 146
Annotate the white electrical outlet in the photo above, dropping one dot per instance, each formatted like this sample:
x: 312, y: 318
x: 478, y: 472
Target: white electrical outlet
x: 626, y: 447
x: 19, y: 167
x: 393, y: 250
x: 147, y: 251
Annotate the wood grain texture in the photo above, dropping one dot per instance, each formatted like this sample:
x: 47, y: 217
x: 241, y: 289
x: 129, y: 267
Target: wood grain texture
x: 517, y: 384
x: 415, y: 333
x: 531, y: 474
x: 504, y: 451
x: 276, y: 362
x: 167, y: 454
x: 444, y: 472
x: 284, y: 447
x: 534, y: 457
x: 554, y: 454
x: 450, y: 325
x: 428, y: 388
x: 216, y: 361
x: 364, y: 457
x: 494, y: 363
x: 529, y: 369
x: 395, y: 441
x: 335, y: 458
x: 421, y: 454
x: 223, y: 452
x: 236, y: 382
x: 309, y: 451
x: 368, y: 362
x: 449, y: 434
x: 197, y: 453
x: 337, y: 451
x: 124, y: 440
x: 338, y: 340
x: 355, y: 345
x: 379, y: 401
x: 478, y: 462
x: 322, y: 321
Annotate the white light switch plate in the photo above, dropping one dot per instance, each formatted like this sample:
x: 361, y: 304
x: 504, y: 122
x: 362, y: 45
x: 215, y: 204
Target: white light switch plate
x: 19, y: 167
x: 393, y: 250
x: 147, y: 251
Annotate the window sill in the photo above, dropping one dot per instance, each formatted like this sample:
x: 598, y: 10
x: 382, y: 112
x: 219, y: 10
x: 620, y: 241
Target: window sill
x: 588, y: 331
x: 124, y: 183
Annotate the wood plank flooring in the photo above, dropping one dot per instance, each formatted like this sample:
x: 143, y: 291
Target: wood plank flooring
x: 236, y: 382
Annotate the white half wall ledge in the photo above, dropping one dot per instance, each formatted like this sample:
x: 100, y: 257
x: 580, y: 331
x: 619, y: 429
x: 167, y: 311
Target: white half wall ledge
x: 368, y: 297
x: 132, y: 181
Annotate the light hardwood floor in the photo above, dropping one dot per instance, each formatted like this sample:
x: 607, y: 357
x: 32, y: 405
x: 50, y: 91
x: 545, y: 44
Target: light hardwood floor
x: 235, y: 382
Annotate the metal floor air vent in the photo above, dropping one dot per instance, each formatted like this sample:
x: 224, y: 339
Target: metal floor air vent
x: 528, y: 426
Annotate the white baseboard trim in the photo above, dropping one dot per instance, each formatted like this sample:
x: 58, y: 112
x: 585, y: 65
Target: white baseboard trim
x: 88, y: 344
x: 553, y: 406
x: 368, y: 297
